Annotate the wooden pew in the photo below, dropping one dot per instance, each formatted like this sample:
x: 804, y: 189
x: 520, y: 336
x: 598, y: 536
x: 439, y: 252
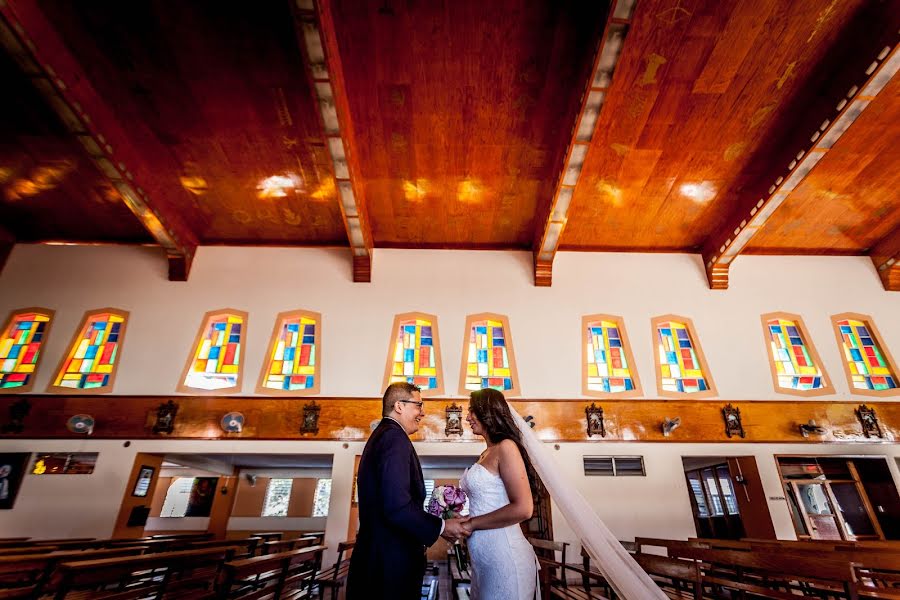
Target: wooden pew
x: 268, y: 536
x: 276, y: 546
x: 335, y: 577
x: 460, y: 578
x: 772, y: 574
x: 247, y: 546
x: 319, y: 535
x: 547, y: 549
x: 27, y: 550
x: 32, y: 574
x: 189, y: 574
x: 678, y: 579
x: 280, y: 576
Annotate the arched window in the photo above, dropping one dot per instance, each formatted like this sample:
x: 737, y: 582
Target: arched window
x: 414, y: 353
x: 869, y: 367
x: 215, y: 364
x: 608, y: 368
x: 89, y: 367
x: 795, y: 364
x: 21, y: 346
x: 488, y: 358
x: 681, y: 368
x: 293, y: 362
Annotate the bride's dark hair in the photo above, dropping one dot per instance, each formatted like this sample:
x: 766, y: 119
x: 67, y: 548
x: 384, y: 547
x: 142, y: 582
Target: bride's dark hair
x: 490, y: 406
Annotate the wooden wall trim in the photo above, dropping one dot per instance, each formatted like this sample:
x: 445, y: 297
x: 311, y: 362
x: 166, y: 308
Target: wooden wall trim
x: 350, y: 419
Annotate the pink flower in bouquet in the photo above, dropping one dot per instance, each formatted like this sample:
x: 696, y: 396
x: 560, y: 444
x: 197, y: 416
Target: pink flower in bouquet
x: 447, y: 501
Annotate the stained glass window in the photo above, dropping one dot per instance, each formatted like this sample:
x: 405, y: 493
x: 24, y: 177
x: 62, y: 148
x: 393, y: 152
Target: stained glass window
x: 90, y: 364
x: 608, y: 366
x: 215, y: 361
x: 414, y: 354
x: 795, y: 362
x: 681, y: 366
x: 20, y: 348
x: 293, y: 364
x: 868, y: 364
x: 488, y: 357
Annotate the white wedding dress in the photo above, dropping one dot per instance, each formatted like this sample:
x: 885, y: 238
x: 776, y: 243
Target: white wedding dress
x: 503, y: 565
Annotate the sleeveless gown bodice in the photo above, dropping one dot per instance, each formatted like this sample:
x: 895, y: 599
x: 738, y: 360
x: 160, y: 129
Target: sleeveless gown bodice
x: 503, y: 563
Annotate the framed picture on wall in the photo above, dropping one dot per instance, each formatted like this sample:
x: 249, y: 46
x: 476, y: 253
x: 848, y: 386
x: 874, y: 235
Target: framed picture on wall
x: 142, y: 485
x: 12, y: 469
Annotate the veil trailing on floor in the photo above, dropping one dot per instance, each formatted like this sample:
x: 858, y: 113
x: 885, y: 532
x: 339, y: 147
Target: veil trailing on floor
x: 613, y: 561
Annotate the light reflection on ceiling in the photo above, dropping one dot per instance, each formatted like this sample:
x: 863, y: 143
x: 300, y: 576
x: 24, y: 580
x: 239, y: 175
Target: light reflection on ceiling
x: 194, y: 184
x: 470, y: 190
x: 700, y: 193
x: 415, y: 191
x: 41, y: 178
x: 278, y: 186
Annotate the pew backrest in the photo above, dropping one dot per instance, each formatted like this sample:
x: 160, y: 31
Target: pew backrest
x: 277, y: 576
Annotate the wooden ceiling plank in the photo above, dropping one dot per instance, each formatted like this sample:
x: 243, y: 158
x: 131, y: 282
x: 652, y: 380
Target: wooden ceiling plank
x: 838, y: 115
x: 31, y: 39
x: 886, y: 257
x: 318, y: 43
x: 550, y: 224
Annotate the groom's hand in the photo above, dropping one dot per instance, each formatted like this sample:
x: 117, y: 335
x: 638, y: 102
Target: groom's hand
x: 456, y: 529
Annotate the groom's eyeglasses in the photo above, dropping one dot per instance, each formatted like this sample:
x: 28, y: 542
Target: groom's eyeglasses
x: 421, y: 405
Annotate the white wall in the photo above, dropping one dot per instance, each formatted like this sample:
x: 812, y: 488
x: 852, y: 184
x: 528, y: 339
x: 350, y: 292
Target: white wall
x: 357, y: 317
x: 545, y: 322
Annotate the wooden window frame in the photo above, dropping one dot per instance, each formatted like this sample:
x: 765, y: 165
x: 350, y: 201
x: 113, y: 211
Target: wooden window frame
x: 37, y: 365
x: 638, y: 391
x: 832, y: 500
x: 201, y: 329
x: 879, y: 339
x: 108, y: 388
x: 516, y: 390
x: 827, y: 387
x: 436, y: 345
x: 713, y: 391
x: 273, y: 341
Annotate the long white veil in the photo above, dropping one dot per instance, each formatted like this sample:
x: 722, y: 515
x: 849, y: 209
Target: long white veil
x: 613, y: 561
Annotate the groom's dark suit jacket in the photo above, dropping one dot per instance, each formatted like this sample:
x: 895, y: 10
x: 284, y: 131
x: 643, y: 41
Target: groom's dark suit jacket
x: 388, y: 560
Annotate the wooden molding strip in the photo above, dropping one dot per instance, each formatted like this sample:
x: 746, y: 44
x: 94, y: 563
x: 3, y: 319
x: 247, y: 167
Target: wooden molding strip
x: 863, y: 86
x: 30, y: 38
x: 318, y: 44
x: 351, y: 419
x: 553, y: 223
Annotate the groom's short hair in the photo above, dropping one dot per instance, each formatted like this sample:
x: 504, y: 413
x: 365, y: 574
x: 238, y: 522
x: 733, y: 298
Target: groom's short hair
x: 396, y: 392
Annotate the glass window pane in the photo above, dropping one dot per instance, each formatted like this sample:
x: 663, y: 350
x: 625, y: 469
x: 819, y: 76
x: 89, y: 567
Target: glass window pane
x: 796, y: 515
x: 851, y: 506
x: 727, y: 490
x: 278, y: 496
x: 699, y: 497
x: 322, y: 498
x: 814, y: 499
x: 712, y: 491
x: 177, y: 496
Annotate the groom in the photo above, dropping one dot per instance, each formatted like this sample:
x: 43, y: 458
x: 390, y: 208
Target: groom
x: 388, y: 560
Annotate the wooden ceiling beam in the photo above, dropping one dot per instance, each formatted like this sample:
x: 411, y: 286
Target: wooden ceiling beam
x: 847, y: 93
x: 886, y: 257
x: 318, y: 43
x: 552, y: 221
x: 31, y: 39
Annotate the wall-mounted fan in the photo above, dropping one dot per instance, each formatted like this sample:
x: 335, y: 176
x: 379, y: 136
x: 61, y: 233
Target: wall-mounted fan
x: 233, y: 422
x: 81, y: 424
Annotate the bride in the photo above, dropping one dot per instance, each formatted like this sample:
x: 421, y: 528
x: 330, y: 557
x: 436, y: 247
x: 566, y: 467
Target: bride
x: 504, y: 566
x: 503, y: 563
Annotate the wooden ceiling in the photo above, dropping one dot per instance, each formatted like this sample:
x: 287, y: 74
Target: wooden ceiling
x: 458, y: 121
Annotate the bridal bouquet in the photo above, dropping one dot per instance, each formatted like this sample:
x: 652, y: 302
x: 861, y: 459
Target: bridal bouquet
x: 447, y: 502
